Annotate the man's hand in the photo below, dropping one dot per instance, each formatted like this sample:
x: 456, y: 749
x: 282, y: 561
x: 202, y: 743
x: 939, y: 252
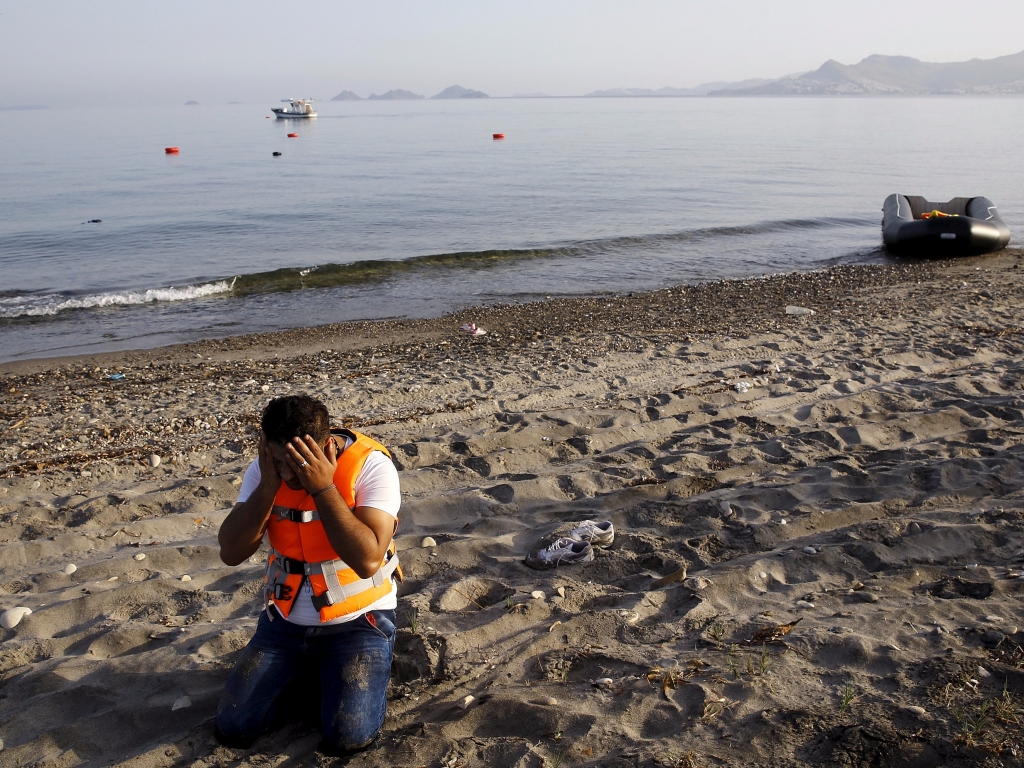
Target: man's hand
x: 269, y: 477
x: 313, y: 468
x: 242, y: 530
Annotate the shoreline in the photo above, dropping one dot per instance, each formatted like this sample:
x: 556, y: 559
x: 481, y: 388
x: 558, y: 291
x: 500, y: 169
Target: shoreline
x: 553, y: 314
x: 819, y: 529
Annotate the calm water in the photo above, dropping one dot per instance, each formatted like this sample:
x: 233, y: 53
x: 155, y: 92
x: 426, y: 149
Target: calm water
x: 410, y: 209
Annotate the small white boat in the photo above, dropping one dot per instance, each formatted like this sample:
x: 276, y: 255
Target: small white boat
x: 296, y: 108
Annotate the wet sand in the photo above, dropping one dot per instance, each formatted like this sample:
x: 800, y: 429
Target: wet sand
x: 844, y: 490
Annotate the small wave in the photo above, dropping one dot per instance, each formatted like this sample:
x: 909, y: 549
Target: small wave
x: 286, y: 279
x: 41, y: 305
x: 372, y: 270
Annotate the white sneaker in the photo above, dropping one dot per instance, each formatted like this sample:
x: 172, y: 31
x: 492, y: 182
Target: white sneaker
x: 561, y: 552
x: 600, y: 534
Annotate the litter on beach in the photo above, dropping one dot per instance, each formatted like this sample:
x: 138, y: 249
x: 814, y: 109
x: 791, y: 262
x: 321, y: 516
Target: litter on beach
x: 472, y: 328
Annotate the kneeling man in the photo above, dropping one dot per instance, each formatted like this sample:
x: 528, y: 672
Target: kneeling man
x: 328, y: 501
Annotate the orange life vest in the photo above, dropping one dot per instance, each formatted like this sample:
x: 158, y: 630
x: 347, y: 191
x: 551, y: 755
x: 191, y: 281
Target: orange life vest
x: 299, y: 548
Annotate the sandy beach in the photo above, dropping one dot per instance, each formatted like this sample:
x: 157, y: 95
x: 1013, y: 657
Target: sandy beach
x: 819, y: 529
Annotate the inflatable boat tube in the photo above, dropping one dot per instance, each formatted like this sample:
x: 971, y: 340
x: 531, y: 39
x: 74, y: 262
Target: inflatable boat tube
x: 965, y: 226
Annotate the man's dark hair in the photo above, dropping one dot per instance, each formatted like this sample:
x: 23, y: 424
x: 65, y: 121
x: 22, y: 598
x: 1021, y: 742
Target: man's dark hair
x: 295, y: 416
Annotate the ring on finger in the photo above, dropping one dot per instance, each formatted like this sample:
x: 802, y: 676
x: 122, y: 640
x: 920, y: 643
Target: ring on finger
x: 304, y: 463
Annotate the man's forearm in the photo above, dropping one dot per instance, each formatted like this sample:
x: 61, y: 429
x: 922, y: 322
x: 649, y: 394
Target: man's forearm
x: 242, y: 530
x: 352, y: 539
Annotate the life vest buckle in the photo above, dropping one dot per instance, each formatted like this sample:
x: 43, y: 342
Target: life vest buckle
x: 292, y: 567
x: 296, y: 515
x: 322, y: 601
x: 282, y: 592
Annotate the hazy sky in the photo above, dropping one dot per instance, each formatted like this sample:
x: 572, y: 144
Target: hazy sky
x: 59, y: 52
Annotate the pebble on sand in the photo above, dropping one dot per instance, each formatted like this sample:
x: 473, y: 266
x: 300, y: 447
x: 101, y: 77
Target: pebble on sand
x: 428, y: 541
x: 810, y: 551
x: 140, y: 556
x: 603, y: 681
x: 186, y: 577
x: 992, y: 638
x: 804, y: 604
x: 181, y: 703
x: 916, y: 710
x: 994, y: 619
x: 545, y: 701
x: 70, y: 568
x: 537, y: 595
x: 561, y: 591
x: 466, y: 701
x: 12, y: 617
x: 154, y: 460
x: 552, y: 627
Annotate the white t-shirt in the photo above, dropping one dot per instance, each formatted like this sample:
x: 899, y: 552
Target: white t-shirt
x: 377, y: 487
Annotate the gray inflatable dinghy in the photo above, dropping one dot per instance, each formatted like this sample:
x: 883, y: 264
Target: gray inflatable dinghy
x: 965, y: 226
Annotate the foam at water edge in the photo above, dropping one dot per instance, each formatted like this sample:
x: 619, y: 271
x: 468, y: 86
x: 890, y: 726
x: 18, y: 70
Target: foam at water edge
x: 52, y: 304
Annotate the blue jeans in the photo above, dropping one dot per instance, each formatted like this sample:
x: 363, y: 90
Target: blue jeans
x: 351, y: 661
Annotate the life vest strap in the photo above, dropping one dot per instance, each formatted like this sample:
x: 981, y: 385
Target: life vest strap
x: 292, y: 566
x: 337, y: 593
x: 296, y: 515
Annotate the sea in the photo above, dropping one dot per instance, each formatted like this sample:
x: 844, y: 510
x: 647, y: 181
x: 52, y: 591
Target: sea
x: 411, y: 209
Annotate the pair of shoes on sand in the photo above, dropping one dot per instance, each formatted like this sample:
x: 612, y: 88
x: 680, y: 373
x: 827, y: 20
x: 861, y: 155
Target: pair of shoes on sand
x: 575, y: 547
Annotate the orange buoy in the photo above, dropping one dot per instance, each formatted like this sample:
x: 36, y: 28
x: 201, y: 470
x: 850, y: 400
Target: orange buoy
x: 293, y: 135
x: 171, y: 150
x: 499, y: 136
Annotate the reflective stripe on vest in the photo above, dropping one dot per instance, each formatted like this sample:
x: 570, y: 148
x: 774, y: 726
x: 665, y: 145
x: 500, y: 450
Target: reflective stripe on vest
x: 299, y: 548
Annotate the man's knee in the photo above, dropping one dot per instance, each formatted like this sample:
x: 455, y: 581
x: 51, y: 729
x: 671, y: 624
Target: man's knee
x: 231, y: 739
x: 237, y: 727
x: 350, y: 732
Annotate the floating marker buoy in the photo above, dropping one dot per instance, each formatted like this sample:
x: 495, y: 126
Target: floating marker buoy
x: 499, y: 136
x: 171, y: 150
x: 277, y: 154
x: 293, y: 135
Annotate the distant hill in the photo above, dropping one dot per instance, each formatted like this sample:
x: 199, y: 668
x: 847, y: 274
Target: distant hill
x: 396, y: 95
x: 348, y: 96
x: 701, y: 90
x: 897, y: 75
x: 191, y: 103
x: 458, y: 92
